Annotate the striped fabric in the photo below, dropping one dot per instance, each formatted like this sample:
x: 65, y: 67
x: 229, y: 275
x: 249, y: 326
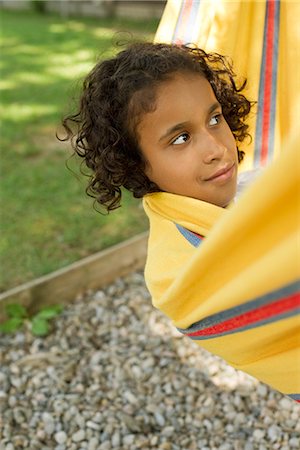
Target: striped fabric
x: 295, y: 397
x: 271, y: 307
x: 238, y: 293
x: 193, y: 238
x: 263, y: 40
x: 185, y: 30
x: 265, y: 122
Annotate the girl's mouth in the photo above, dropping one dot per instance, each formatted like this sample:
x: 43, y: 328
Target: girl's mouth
x: 223, y: 174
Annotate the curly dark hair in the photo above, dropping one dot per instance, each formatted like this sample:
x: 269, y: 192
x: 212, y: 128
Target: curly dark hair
x: 115, y: 95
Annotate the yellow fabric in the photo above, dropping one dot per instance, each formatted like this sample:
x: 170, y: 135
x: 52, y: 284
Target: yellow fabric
x: 252, y: 249
x: 236, y: 29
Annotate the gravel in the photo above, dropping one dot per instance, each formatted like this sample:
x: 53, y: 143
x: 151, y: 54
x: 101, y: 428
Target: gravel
x: 115, y: 374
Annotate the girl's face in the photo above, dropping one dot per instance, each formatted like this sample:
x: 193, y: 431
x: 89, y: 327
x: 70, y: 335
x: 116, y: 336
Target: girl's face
x: 188, y: 145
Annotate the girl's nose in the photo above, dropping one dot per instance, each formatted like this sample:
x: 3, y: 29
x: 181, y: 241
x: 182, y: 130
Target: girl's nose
x: 214, y: 149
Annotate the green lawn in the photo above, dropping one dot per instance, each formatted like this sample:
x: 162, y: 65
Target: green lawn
x: 47, y: 221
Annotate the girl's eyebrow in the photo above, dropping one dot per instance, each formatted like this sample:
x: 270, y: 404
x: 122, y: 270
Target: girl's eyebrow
x: 213, y: 107
x: 181, y: 125
x: 173, y: 129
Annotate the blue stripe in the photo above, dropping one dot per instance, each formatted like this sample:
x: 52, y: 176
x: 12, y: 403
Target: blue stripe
x: 228, y: 314
x: 274, y: 82
x: 191, y: 28
x: 294, y: 396
x: 259, y: 120
x: 179, y: 19
x: 189, y: 235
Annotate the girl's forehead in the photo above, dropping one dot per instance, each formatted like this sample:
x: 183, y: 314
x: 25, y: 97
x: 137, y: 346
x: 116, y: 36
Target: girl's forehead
x: 181, y: 75
x: 184, y: 84
x: 170, y: 94
x: 182, y: 99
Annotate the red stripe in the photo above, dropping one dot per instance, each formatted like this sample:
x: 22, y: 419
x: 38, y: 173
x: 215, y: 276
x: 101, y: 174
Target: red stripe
x: 198, y: 235
x: 187, y: 6
x: 268, y: 79
x: 265, y: 312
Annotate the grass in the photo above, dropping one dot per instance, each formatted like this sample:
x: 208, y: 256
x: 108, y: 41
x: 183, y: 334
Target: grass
x: 47, y: 221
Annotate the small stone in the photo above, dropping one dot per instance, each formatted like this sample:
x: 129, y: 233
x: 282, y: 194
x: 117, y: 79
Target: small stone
x: 3, y: 397
x: 78, y: 436
x: 160, y: 420
x: 105, y: 446
x: 154, y: 441
x: 165, y: 446
x: 16, y: 382
x: 248, y: 446
x: 96, y: 358
x: 3, y: 378
x: 60, y: 437
x: 130, y: 423
x: 217, y: 424
x: 294, y: 442
x: 129, y: 439
x: 286, y: 403
x: 80, y: 421
x: 41, y: 435
x: 130, y: 397
x: 167, y: 431
x: 229, y: 428
x: 9, y: 446
x: 262, y: 390
x: 274, y: 433
x: 19, y: 416
x: 93, y: 425
x: 93, y: 443
x: 20, y: 441
x: 208, y: 425
x: 116, y: 439
x: 258, y: 434
x: 225, y: 447
x: 49, y: 424
x: 12, y: 401
x: 239, y: 419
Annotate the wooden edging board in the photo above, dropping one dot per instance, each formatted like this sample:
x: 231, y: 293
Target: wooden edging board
x: 92, y: 272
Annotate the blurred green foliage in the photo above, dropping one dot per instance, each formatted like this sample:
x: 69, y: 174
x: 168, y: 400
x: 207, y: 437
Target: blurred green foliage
x: 47, y: 221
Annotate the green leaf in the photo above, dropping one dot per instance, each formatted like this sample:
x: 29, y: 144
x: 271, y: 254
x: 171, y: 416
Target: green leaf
x: 11, y: 325
x: 15, y: 310
x: 50, y: 312
x: 39, y: 327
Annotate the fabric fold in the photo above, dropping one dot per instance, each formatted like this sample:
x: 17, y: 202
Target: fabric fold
x: 237, y: 293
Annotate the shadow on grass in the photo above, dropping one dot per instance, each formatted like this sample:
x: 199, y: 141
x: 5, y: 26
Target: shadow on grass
x: 47, y: 221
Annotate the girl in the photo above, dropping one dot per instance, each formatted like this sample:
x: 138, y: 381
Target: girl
x: 124, y: 124
x: 165, y: 122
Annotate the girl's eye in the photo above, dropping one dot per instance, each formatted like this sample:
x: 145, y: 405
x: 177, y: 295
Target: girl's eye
x: 184, y: 137
x: 215, y: 120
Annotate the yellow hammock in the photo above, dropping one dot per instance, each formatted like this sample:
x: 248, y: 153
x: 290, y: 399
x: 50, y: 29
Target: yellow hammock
x: 262, y: 38
x: 237, y: 292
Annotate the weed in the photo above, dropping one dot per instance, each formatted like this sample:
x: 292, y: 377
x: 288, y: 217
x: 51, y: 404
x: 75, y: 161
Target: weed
x: 39, y: 323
